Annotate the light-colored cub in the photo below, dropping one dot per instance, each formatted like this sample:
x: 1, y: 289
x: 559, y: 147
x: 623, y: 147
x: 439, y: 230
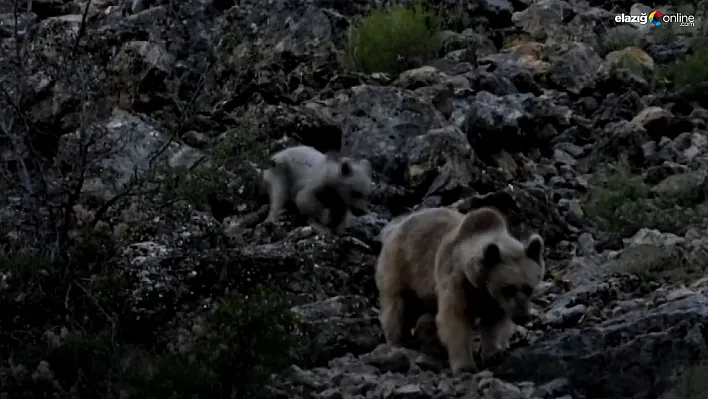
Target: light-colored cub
x: 478, y: 275
x: 325, y: 188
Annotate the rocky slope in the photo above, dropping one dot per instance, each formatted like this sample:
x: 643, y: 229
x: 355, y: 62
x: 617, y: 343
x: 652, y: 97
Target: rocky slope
x: 532, y: 128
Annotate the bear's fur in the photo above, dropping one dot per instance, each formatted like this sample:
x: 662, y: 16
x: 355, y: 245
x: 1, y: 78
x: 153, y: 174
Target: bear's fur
x: 466, y: 269
x: 324, y: 187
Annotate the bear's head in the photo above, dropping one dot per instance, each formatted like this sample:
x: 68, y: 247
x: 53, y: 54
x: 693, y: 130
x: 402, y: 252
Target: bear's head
x: 355, y: 181
x: 499, y: 263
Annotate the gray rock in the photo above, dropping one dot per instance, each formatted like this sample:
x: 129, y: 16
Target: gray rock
x: 510, y: 122
x: 616, y: 358
x: 573, y: 66
x: 336, y: 326
x: 379, y: 121
x: 138, y: 142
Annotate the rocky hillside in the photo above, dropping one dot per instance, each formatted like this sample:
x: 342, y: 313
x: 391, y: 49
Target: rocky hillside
x: 133, y: 260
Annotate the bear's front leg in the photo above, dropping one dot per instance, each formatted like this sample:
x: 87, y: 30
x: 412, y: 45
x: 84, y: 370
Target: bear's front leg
x: 392, y: 318
x: 494, y: 340
x: 455, y: 334
x: 506, y: 330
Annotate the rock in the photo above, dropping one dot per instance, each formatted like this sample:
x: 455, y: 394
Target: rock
x: 387, y: 358
x: 141, y: 65
x: 513, y: 122
x: 440, y: 163
x: 420, y: 77
x: 196, y: 139
x: 468, y: 38
x: 656, y: 121
x: 138, y: 143
x: 349, y: 376
x: 526, y: 64
x: 441, y: 95
x: 309, y: 124
x: 691, y: 145
x: 498, y: 12
x: 497, y: 389
x: 652, y: 237
x: 337, y: 326
x: 564, y: 317
x: 573, y: 66
x: 615, y: 358
x: 9, y: 24
x: 379, y: 121
x: 536, y: 19
x: 687, y: 186
x: 628, y: 67
x: 657, y: 173
x: 621, y: 139
x: 511, y: 73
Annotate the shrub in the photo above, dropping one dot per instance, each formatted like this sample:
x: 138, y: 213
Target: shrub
x: 614, y: 199
x: 690, y: 76
x: 623, y: 36
x: 228, y: 167
x: 692, y: 385
x: 389, y: 40
x: 86, y: 363
x: 652, y: 262
x: 622, y: 202
x: 248, y: 337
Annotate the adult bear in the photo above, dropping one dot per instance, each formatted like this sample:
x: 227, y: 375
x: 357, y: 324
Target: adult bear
x: 467, y: 269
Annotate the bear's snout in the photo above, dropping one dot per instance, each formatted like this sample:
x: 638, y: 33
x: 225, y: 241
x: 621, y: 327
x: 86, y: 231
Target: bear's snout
x: 521, y: 319
x: 358, y: 211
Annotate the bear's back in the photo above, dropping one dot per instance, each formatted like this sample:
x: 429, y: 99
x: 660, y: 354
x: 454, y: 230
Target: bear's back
x: 300, y: 160
x: 418, y: 238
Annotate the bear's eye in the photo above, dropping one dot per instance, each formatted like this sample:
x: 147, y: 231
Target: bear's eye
x: 357, y: 194
x: 508, y: 291
x: 527, y: 290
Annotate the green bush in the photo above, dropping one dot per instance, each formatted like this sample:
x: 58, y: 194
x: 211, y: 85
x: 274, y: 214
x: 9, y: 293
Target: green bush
x: 690, y: 76
x: 390, y: 40
x: 614, y: 199
x: 227, y: 165
x: 652, y: 262
x: 85, y: 301
x: 25, y: 267
x: 248, y: 338
x: 620, y: 201
x: 86, y: 363
x: 623, y: 36
x: 692, y: 385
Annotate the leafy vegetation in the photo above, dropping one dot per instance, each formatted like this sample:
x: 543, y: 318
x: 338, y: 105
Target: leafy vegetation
x: 692, y: 385
x: 690, y: 76
x: 229, y: 162
x: 658, y: 263
x: 620, y: 201
x: 623, y: 36
x: 247, y: 337
x: 392, y: 40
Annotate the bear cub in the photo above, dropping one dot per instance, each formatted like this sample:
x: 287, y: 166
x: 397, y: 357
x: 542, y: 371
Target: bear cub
x: 326, y: 188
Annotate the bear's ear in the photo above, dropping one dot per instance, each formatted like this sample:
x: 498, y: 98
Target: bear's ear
x: 366, y: 165
x: 345, y: 168
x: 534, y: 248
x: 491, y: 255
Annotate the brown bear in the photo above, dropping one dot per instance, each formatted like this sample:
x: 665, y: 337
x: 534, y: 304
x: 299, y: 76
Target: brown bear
x: 466, y: 269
